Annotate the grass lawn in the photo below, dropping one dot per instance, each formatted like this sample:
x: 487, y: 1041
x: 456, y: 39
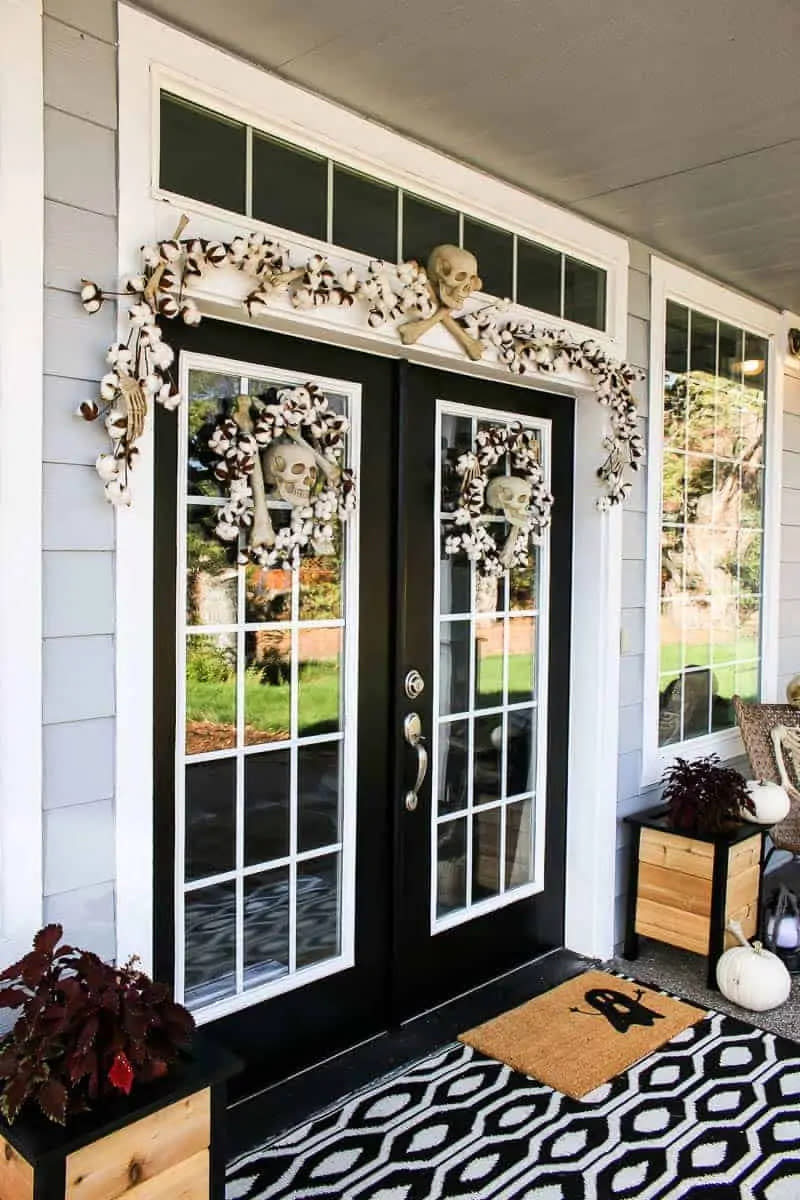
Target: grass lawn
x: 267, y: 705
x: 719, y: 652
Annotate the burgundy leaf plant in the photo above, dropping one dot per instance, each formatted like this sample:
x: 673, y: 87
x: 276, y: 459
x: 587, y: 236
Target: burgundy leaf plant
x: 705, y: 797
x: 85, y: 1029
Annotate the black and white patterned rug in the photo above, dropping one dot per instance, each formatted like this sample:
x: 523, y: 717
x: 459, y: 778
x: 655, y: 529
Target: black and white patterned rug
x: 714, y: 1114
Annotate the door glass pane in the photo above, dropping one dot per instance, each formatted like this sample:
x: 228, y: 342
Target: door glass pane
x: 318, y: 909
x: 319, y: 681
x: 485, y: 762
x: 267, y: 686
x: 318, y: 793
x: 266, y: 926
x: 494, y: 250
x: 451, y: 867
x: 210, y: 818
x: 212, y: 576
x: 267, y: 799
x: 210, y: 692
x: 538, y: 277
x: 267, y: 731
x: 584, y: 293
x: 486, y: 853
x: 210, y: 933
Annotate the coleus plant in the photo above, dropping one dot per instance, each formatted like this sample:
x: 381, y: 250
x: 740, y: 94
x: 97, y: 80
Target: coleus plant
x: 705, y: 797
x: 85, y: 1030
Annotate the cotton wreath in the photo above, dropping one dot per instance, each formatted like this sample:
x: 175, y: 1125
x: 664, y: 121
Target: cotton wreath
x: 474, y: 538
x: 302, y: 415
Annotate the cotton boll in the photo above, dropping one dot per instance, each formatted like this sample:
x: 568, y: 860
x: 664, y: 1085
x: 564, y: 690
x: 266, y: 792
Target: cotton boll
x: 216, y: 254
x: 109, y: 385
x: 168, y: 307
x: 190, y: 313
x: 141, y: 315
x: 107, y: 467
x: 170, y: 250
x: 91, y: 296
x: 118, y: 494
x: 151, y: 255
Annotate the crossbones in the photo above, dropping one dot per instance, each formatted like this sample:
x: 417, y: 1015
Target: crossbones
x: 452, y: 277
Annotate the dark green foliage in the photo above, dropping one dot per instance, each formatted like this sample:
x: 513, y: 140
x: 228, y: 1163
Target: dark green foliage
x: 705, y: 797
x: 78, y: 1017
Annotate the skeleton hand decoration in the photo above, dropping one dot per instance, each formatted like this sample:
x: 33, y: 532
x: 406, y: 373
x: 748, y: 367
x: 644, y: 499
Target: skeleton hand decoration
x: 135, y: 406
x: 513, y: 496
x: 261, y: 531
x: 452, y: 277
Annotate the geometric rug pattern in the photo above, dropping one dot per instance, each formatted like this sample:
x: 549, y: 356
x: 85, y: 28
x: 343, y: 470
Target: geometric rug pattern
x: 713, y: 1115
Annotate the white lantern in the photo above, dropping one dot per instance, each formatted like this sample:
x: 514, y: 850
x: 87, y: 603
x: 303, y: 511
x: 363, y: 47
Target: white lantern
x: 751, y: 976
x: 771, y: 802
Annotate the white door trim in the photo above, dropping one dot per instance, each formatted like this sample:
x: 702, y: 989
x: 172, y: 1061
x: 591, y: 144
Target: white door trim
x: 21, y: 365
x: 591, y: 821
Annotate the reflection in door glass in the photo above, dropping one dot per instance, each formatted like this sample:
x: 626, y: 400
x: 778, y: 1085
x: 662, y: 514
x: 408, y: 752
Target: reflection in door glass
x: 267, y: 802
x: 486, y: 763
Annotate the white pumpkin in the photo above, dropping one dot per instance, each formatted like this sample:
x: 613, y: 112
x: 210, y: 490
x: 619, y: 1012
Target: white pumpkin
x: 751, y: 976
x: 771, y: 802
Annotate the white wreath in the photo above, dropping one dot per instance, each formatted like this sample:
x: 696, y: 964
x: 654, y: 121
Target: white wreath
x: 299, y: 416
x: 474, y: 538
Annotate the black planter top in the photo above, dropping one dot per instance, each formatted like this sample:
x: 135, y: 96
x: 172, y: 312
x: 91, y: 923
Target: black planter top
x: 36, y: 1138
x: 658, y: 818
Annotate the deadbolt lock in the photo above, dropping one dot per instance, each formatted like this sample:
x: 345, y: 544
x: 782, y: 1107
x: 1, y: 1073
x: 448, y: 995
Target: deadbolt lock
x: 414, y: 684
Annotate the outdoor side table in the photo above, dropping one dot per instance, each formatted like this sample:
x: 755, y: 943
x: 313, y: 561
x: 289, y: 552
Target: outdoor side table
x: 684, y: 889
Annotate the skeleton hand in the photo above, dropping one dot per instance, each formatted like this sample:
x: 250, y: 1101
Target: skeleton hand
x: 135, y: 407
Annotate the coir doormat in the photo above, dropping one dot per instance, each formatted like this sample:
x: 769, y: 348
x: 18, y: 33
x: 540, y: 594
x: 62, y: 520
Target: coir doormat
x: 583, y: 1032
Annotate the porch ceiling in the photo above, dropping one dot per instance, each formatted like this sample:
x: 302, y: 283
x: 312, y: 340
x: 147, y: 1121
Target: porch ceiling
x: 676, y: 123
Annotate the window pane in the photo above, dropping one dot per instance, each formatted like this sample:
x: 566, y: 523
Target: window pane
x: 211, y: 572
x: 364, y: 214
x: 487, y: 757
x: 267, y: 594
x: 454, y: 667
x: 210, y: 818
x: 210, y: 395
x: 426, y: 225
x: 485, y: 854
x: 538, y: 277
x: 318, y: 908
x: 521, y: 660
x: 453, y: 765
x: 267, y: 686
x: 520, y: 751
x: 451, y: 867
x: 202, y: 154
x: 676, y: 359
x: 266, y: 926
x: 319, y: 681
x: 321, y: 586
x: 210, y: 692
x: 489, y: 663
x: 290, y: 187
x: 210, y: 924
x: 519, y: 844
x: 494, y: 250
x: 584, y: 293
x: 266, y: 806
x: 318, y: 795
x: 713, y: 499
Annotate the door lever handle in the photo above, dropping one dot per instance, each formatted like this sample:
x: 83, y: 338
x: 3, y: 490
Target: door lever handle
x: 412, y: 731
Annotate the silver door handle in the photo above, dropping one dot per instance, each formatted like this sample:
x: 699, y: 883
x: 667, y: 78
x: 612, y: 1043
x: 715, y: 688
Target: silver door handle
x: 412, y: 731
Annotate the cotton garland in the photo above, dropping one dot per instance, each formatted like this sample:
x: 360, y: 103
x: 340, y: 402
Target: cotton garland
x: 140, y: 366
x: 297, y: 414
x: 474, y: 538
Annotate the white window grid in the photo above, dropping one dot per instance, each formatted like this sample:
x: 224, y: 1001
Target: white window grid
x: 536, y: 705
x: 261, y: 377
x: 737, y: 663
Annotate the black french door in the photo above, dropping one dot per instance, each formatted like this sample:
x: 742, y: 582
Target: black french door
x: 302, y: 905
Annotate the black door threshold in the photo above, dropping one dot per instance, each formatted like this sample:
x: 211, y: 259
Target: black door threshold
x: 256, y: 1119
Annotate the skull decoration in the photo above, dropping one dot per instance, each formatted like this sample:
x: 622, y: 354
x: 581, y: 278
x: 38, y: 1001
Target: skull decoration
x: 454, y: 274
x: 292, y: 469
x: 513, y: 495
x: 793, y: 692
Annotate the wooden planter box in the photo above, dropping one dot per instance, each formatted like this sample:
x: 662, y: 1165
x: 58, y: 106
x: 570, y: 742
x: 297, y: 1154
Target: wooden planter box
x: 683, y: 890
x: 164, y: 1142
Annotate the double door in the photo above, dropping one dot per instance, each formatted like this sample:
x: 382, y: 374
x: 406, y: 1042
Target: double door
x: 360, y: 763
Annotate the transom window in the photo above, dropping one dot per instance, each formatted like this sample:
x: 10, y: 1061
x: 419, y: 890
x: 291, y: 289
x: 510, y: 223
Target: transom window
x: 712, y: 522
x: 209, y: 157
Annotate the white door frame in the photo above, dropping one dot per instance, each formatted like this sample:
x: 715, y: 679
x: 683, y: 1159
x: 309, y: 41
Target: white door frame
x: 146, y: 44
